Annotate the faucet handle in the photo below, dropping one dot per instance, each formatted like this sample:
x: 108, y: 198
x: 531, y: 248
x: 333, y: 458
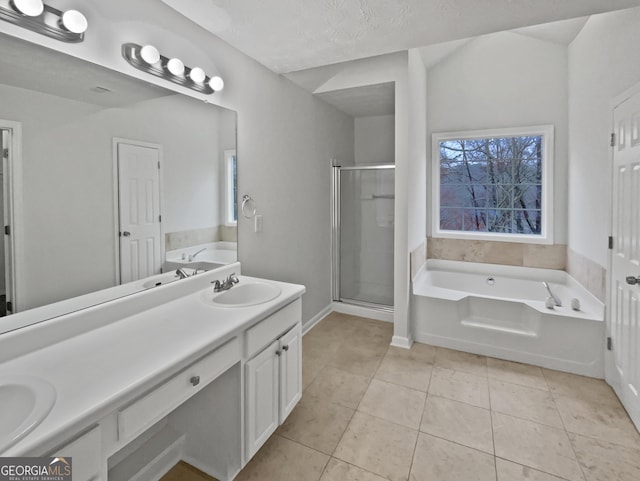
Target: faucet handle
x: 233, y: 278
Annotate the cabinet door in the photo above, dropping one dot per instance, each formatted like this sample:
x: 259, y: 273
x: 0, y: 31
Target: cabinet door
x: 290, y: 371
x: 262, y: 397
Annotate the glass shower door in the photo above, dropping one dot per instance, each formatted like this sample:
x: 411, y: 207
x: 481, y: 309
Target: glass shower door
x: 365, y: 209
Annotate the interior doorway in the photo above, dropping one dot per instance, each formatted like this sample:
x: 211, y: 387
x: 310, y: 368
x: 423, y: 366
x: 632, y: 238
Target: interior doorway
x: 140, y: 236
x: 623, y: 354
x: 9, y: 137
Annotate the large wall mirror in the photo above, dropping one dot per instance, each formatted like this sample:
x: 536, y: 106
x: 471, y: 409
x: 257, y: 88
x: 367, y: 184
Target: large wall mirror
x: 117, y: 179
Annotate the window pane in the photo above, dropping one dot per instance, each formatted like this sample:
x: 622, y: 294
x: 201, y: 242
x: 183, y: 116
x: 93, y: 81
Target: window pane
x: 491, y: 185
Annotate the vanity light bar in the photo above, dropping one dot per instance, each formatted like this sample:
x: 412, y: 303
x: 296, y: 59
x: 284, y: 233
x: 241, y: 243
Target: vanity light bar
x: 149, y: 60
x: 68, y: 26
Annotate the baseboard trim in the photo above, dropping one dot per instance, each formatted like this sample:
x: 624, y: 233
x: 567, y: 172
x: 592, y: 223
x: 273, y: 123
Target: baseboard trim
x: 401, y: 341
x: 307, y: 326
x: 361, y: 311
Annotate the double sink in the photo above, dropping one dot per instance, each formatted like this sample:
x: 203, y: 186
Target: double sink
x: 26, y: 401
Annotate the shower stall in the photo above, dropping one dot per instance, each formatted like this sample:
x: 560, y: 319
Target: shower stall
x: 363, y: 227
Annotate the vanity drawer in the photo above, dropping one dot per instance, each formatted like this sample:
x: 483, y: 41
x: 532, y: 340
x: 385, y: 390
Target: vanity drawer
x: 85, y: 453
x: 159, y: 402
x: 263, y: 333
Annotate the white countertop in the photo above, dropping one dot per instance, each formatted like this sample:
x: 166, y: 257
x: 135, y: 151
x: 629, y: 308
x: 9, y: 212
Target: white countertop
x: 98, y: 370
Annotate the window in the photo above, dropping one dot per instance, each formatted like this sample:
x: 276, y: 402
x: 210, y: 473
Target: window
x: 494, y: 184
x: 231, y: 187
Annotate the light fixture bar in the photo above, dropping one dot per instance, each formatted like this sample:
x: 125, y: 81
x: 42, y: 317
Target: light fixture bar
x: 133, y: 54
x: 48, y: 23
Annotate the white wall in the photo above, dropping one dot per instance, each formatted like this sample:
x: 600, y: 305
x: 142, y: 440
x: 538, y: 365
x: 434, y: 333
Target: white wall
x: 375, y: 139
x: 285, y: 136
x: 603, y: 63
x: 417, y: 182
x: 505, y: 80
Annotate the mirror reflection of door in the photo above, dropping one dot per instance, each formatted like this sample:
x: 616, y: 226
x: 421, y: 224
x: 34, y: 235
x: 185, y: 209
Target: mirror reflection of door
x: 140, y: 229
x: 6, y: 262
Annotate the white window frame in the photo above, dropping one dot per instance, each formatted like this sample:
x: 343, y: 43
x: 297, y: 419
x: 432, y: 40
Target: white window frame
x: 229, y: 155
x: 546, y: 232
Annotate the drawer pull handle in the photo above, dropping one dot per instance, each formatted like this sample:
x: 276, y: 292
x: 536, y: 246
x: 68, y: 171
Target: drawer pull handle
x: 285, y: 348
x: 195, y: 380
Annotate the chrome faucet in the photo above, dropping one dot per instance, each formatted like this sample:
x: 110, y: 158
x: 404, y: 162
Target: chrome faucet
x: 225, y: 285
x: 181, y: 273
x: 556, y: 299
x: 193, y: 256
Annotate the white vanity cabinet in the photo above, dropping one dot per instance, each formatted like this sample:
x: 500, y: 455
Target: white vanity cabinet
x: 85, y: 454
x: 273, y: 375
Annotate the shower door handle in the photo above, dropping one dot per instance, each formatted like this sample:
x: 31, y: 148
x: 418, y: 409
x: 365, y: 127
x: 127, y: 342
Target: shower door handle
x: 632, y: 281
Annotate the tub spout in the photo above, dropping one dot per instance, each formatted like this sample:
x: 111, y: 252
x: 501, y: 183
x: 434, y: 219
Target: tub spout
x: 181, y: 273
x: 555, y: 298
x: 193, y: 256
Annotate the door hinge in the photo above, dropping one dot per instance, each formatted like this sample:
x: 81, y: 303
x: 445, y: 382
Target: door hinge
x: 613, y: 139
x: 609, y: 344
x: 5, y: 153
x: 9, y: 306
x: 610, y: 242
x: 159, y: 218
x: 158, y: 165
x: 7, y: 230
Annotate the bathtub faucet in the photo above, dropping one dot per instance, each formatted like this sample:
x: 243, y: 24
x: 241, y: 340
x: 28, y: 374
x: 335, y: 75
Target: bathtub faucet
x: 181, y: 273
x: 193, y: 256
x: 555, y: 298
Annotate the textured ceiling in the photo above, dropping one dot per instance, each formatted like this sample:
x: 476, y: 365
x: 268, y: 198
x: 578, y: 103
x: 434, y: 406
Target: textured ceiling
x: 31, y: 67
x: 562, y: 32
x: 363, y: 101
x: 291, y: 35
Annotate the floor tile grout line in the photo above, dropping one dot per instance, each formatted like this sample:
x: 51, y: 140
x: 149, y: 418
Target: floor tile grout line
x: 456, y: 443
x: 493, y: 437
x: 567, y: 433
x: 532, y: 467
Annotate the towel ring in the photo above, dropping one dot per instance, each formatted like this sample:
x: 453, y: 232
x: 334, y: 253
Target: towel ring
x: 248, y: 207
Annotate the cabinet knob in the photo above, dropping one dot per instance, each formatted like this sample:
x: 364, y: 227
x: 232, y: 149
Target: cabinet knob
x: 278, y: 352
x: 285, y: 348
x: 195, y: 380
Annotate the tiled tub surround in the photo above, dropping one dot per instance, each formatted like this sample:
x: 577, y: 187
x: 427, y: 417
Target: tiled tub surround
x: 123, y: 367
x: 504, y: 253
x: 188, y: 238
x: 370, y: 412
x: 588, y: 273
x: 501, y: 311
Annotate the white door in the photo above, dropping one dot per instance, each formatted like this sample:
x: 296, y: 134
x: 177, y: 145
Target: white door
x: 623, y: 360
x: 262, y: 397
x: 7, y: 286
x: 290, y: 371
x: 139, y: 211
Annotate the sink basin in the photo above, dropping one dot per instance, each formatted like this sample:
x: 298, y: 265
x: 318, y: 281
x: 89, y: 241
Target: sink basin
x: 243, y: 295
x: 25, y: 402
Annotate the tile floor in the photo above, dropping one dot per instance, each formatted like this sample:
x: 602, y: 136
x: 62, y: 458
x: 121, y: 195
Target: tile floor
x: 370, y: 412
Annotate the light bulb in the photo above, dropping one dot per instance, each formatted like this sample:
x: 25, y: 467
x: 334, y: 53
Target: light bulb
x: 74, y: 21
x: 30, y: 8
x: 216, y: 83
x: 150, y: 54
x: 197, y: 75
x: 175, y: 66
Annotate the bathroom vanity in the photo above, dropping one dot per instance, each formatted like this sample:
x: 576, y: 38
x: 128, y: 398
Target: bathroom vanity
x: 173, y: 372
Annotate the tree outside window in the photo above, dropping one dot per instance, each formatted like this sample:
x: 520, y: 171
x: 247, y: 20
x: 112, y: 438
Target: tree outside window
x: 493, y: 184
